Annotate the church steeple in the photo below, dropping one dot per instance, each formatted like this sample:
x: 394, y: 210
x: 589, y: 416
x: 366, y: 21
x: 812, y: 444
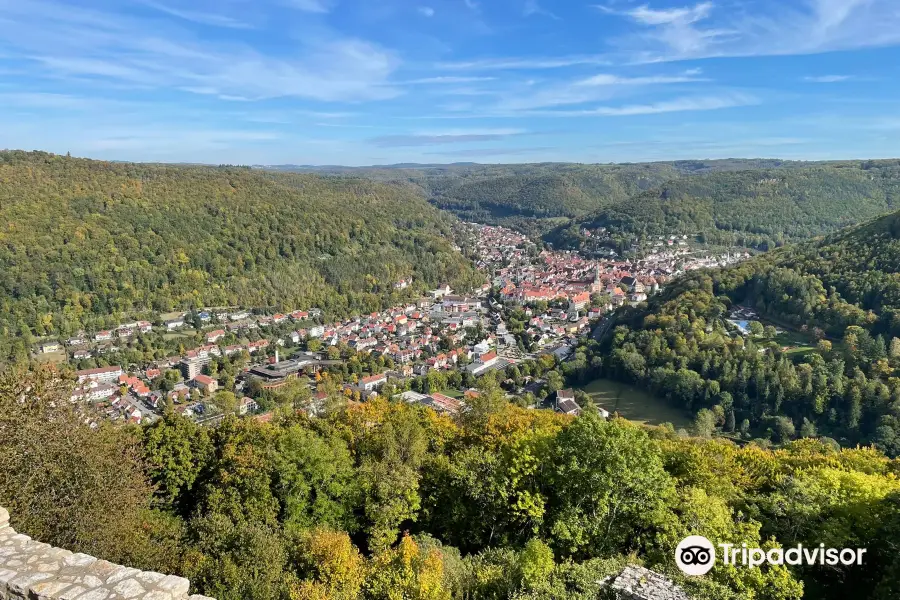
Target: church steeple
x: 596, y: 287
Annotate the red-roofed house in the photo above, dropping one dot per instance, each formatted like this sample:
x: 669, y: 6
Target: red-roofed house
x: 443, y: 404
x: 372, y: 382
x: 214, y: 336
x: 205, y: 383
x: 254, y: 346
x: 579, y: 301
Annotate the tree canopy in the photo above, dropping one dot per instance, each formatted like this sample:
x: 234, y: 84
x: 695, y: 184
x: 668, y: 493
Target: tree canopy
x: 845, y: 287
x: 89, y: 244
x: 388, y: 500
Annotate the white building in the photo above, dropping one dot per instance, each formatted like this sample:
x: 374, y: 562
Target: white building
x: 101, y: 374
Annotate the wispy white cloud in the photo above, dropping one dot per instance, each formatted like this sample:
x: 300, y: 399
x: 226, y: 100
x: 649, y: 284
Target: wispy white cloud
x: 42, y: 100
x: 533, y: 8
x: 447, y: 80
x: 689, y: 14
x: 676, y: 28
x: 202, y: 17
x: 827, y: 78
x: 425, y: 11
x: 765, y: 28
x: 607, y: 80
x: 71, y: 43
x: 597, y: 87
x: 445, y: 137
x: 487, y: 152
x: 690, y: 103
x: 679, y: 104
x: 499, y: 64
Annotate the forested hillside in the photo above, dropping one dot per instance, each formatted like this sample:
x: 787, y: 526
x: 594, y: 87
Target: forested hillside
x: 754, y: 203
x: 843, y: 291
x: 387, y: 500
x: 537, y: 197
x: 84, y: 243
x: 761, y: 208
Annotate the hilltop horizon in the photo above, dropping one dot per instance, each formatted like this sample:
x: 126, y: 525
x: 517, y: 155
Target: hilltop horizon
x: 415, y: 165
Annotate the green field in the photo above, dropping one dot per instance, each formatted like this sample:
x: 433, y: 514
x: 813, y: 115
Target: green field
x: 175, y: 335
x: 634, y: 404
x: 51, y: 357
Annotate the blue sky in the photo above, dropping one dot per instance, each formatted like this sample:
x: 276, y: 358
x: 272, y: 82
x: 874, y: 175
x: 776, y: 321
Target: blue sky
x: 384, y: 81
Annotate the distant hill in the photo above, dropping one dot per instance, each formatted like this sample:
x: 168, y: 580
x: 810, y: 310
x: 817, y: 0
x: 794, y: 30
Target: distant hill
x: 83, y: 243
x: 837, y: 373
x: 756, y: 202
x: 761, y: 208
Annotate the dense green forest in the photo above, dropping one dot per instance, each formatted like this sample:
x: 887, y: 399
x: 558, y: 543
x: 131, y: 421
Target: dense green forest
x: 537, y: 197
x: 755, y: 203
x: 761, y: 208
x: 382, y: 501
x: 85, y: 244
x: 842, y: 292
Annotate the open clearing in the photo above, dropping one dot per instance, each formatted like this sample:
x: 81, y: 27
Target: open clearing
x: 634, y: 404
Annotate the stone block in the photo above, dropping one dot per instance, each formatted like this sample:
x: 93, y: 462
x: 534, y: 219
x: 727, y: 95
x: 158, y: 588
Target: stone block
x: 103, y: 569
x: 48, y: 590
x: 47, y: 566
x: 4, y: 517
x: 90, y: 581
x: 98, y: 594
x: 72, y: 592
x: 121, y: 574
x: 176, y: 586
x: 128, y: 588
x: 6, y: 575
x: 149, y: 578
x: 79, y: 560
x: 21, y: 584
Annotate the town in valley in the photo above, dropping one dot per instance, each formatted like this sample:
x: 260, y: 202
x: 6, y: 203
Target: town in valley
x: 247, y: 356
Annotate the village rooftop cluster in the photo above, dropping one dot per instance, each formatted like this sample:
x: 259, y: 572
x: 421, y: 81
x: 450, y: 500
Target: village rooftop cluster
x: 561, y: 293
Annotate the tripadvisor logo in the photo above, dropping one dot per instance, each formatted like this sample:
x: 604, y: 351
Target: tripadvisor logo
x: 696, y: 555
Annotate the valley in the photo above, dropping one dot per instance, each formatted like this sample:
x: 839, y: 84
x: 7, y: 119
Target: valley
x: 449, y: 300
x: 389, y: 378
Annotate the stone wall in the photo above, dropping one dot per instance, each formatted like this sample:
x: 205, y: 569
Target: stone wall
x: 30, y: 570
x: 638, y: 583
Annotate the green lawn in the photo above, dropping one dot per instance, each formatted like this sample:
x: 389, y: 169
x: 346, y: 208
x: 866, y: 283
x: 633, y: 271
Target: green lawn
x: 799, y: 350
x: 175, y: 335
x: 793, y: 338
x: 634, y: 404
x: 51, y: 357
